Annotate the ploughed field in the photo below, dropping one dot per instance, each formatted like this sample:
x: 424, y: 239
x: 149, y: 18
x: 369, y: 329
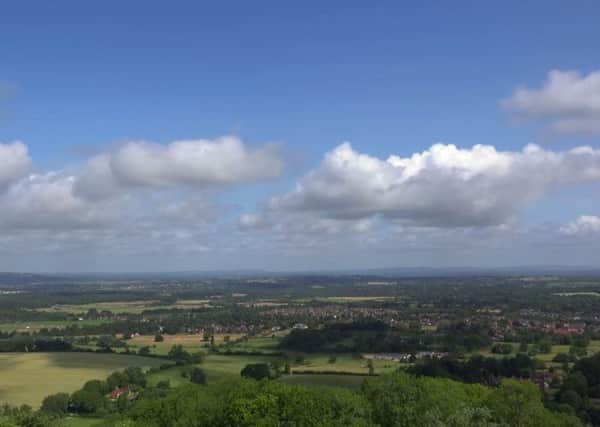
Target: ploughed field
x: 29, y: 377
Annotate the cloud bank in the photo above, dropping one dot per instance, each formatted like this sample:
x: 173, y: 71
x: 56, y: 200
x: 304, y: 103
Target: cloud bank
x: 444, y: 186
x: 145, y: 201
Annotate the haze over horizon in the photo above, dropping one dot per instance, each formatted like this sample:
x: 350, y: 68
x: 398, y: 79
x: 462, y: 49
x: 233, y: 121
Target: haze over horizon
x: 282, y: 137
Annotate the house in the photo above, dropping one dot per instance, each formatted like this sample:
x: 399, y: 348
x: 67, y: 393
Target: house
x: 117, y: 392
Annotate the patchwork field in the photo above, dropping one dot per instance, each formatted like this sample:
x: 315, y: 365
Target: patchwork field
x: 29, y: 377
x: 191, y: 342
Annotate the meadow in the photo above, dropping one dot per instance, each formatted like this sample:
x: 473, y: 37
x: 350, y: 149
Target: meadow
x: 29, y: 377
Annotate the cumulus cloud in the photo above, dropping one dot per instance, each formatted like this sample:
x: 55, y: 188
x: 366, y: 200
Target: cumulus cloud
x: 48, y: 201
x: 195, y: 163
x: 14, y: 162
x: 584, y: 225
x: 570, y: 101
x: 107, y: 184
x: 444, y: 186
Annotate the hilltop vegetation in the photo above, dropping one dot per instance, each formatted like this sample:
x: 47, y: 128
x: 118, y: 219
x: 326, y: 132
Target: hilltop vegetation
x: 390, y: 400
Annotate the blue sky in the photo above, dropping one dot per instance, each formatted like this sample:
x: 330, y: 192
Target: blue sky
x: 81, y: 80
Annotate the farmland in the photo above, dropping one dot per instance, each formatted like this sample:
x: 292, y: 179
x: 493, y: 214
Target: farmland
x: 29, y: 377
x: 192, y: 342
x: 302, y: 332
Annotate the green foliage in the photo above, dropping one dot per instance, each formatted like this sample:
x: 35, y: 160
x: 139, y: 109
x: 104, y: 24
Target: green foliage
x: 97, y: 386
x: 519, y: 403
x: 144, y: 351
x: 502, y: 349
x: 198, y: 376
x: 403, y: 400
x: 56, y: 404
x: 179, y: 355
x: 257, y: 371
x: 87, y: 402
x: 164, y: 384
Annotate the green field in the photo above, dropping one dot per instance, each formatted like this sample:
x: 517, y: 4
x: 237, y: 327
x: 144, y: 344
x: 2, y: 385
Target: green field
x: 29, y: 377
x: 217, y: 367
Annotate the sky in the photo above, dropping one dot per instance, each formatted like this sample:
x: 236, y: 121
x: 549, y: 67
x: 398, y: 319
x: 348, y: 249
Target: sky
x: 155, y: 136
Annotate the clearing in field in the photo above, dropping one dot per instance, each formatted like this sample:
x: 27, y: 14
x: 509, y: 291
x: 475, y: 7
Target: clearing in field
x: 29, y: 377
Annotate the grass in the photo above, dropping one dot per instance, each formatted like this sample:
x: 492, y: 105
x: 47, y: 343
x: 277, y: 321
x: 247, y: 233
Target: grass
x: 217, y: 367
x: 343, y: 363
x: 29, y: 377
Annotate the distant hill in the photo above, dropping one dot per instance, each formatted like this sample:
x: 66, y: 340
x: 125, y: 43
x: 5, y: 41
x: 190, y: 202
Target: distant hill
x: 11, y: 279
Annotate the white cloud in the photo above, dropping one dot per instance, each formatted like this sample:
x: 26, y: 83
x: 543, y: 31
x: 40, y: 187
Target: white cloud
x: 48, y: 201
x: 194, y: 163
x: 14, y: 162
x: 444, y: 186
x: 569, y: 100
x: 583, y: 225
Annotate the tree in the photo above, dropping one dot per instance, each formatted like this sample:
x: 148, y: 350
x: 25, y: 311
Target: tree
x: 545, y: 346
x: 135, y: 376
x: 86, y: 402
x: 117, y: 379
x: 56, y: 404
x: 164, y: 384
x: 257, y: 371
x: 179, y: 355
x: 198, y: 376
x: 144, y: 351
x: 158, y: 338
x: 502, y: 348
x: 96, y: 386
